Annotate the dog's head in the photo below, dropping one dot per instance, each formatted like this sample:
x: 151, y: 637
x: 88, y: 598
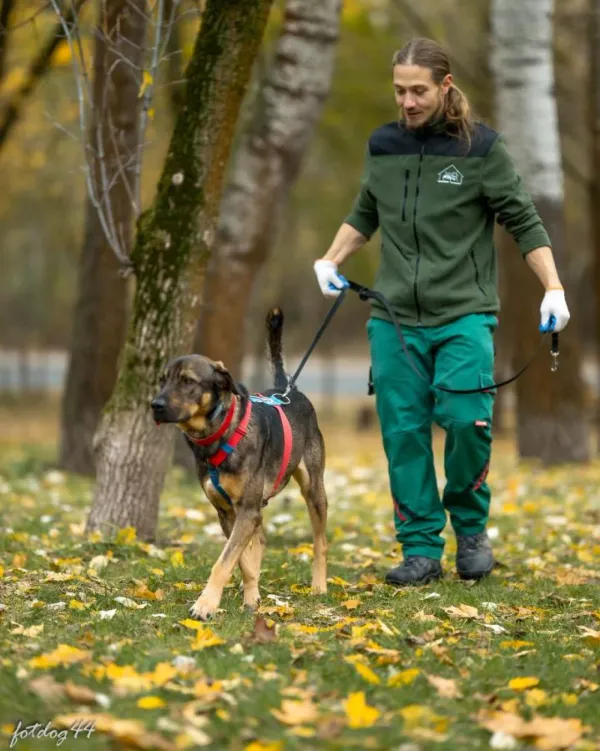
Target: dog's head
x: 192, y: 389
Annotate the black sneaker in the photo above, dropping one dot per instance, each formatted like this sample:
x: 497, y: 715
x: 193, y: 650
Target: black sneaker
x: 474, y: 557
x: 414, y: 571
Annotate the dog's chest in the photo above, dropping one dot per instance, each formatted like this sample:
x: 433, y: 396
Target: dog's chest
x: 234, y: 486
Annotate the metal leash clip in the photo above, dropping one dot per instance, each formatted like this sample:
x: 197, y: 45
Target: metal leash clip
x: 554, y: 352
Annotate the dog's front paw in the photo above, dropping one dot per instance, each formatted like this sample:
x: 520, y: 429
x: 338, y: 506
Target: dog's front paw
x: 251, y: 601
x: 204, y: 608
x: 319, y: 588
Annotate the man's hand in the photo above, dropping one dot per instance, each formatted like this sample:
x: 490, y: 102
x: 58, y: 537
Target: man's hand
x: 554, y: 304
x: 330, y: 281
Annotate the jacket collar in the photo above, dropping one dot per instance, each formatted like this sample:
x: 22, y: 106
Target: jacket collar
x: 431, y: 128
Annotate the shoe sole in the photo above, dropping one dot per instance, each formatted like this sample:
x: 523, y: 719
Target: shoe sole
x: 474, y: 575
x: 419, y: 583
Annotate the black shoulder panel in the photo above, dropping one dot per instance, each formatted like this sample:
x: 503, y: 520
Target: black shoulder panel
x: 394, y: 139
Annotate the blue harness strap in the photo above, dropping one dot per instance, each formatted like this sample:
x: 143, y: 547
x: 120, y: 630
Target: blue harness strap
x: 213, y: 473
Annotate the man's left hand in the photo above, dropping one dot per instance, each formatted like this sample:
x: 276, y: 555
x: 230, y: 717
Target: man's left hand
x: 554, y: 304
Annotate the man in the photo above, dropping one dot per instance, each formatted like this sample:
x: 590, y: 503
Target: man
x: 433, y: 184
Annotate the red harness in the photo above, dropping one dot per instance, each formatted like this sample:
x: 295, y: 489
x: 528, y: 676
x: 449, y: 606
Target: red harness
x: 227, y: 448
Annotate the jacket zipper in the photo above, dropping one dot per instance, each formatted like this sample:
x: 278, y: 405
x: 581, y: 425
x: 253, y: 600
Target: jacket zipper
x: 405, y: 197
x: 472, y: 254
x: 418, y: 247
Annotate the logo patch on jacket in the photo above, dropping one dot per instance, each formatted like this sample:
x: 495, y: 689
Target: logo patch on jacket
x: 450, y: 175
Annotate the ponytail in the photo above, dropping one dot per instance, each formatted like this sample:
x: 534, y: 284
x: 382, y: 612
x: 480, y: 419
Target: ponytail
x: 457, y: 112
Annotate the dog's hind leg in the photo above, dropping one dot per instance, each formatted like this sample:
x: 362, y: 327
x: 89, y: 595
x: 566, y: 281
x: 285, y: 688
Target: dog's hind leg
x: 250, y: 562
x: 247, y: 521
x: 309, y: 476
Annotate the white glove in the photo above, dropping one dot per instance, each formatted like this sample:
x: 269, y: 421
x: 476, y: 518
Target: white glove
x: 554, y: 304
x: 327, y: 274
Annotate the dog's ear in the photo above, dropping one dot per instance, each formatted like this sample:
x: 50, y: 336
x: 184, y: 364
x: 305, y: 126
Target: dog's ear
x: 224, y: 378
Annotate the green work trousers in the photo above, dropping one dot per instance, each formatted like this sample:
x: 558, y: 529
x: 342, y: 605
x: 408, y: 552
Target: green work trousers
x: 457, y: 355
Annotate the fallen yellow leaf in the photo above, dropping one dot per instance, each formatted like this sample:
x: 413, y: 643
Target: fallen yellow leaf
x: 126, y: 535
x: 177, y: 558
x: 206, y: 637
x: 296, y: 712
x: 520, y: 684
x: 150, y: 702
x: 515, y: 644
x: 536, y: 697
x: 351, y: 604
x: 569, y: 699
x: 549, y: 732
x: 62, y: 655
x: 445, y: 687
x: 417, y: 717
x: 463, y: 611
x: 365, y: 672
x: 403, y: 678
x: 358, y: 712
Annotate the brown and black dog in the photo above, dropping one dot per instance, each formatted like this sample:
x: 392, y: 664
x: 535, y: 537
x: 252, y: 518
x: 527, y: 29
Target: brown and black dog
x: 201, y: 396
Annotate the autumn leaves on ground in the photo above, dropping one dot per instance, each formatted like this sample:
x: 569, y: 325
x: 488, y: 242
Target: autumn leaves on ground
x: 96, y: 640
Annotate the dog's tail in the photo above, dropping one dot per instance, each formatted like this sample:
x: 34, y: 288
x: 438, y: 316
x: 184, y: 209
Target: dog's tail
x: 274, y: 325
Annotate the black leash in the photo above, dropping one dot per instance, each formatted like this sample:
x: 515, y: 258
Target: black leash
x: 332, y: 311
x: 365, y: 293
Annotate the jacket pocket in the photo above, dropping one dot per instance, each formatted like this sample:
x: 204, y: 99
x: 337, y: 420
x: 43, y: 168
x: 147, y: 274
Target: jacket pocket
x: 476, y: 269
x: 405, y: 193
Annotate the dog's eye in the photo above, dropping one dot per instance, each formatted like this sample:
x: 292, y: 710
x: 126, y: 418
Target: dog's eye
x: 189, y: 381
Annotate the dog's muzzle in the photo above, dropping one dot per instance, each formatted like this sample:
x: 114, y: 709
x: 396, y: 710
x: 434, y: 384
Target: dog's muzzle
x: 160, y: 410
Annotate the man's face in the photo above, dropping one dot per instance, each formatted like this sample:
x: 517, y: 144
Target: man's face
x: 418, y: 97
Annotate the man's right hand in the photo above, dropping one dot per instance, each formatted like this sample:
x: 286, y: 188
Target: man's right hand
x: 330, y: 281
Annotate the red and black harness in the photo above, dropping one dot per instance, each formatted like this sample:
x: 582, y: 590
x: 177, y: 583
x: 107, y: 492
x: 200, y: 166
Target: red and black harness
x: 226, y: 448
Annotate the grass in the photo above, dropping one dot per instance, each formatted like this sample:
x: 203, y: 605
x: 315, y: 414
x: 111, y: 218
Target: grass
x: 359, y: 667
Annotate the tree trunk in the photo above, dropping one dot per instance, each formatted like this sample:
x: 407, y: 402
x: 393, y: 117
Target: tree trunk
x: 594, y: 83
x: 552, y: 423
x: 100, y: 316
x: 173, y: 244
x: 267, y: 162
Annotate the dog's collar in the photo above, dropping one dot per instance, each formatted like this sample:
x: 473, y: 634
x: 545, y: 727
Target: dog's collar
x: 217, y: 434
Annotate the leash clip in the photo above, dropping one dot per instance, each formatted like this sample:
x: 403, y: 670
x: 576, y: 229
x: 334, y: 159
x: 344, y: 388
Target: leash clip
x: 554, y: 352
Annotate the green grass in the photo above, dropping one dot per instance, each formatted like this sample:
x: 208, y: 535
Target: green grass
x: 545, y: 593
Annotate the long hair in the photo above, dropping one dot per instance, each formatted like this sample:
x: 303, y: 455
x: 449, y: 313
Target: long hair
x: 428, y: 54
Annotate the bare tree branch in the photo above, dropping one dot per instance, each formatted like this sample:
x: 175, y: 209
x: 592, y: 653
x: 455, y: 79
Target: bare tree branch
x: 148, y: 94
x: 5, y: 11
x: 82, y: 82
x: 37, y: 70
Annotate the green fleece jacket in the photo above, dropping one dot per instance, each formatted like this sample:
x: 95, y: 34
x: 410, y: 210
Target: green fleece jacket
x: 435, y: 203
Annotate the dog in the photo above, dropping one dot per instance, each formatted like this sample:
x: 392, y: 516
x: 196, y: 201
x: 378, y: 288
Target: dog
x: 271, y: 444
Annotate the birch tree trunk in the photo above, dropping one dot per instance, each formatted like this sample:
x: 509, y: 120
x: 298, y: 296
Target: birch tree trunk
x: 100, y: 315
x: 267, y: 162
x: 174, y: 241
x: 552, y: 423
